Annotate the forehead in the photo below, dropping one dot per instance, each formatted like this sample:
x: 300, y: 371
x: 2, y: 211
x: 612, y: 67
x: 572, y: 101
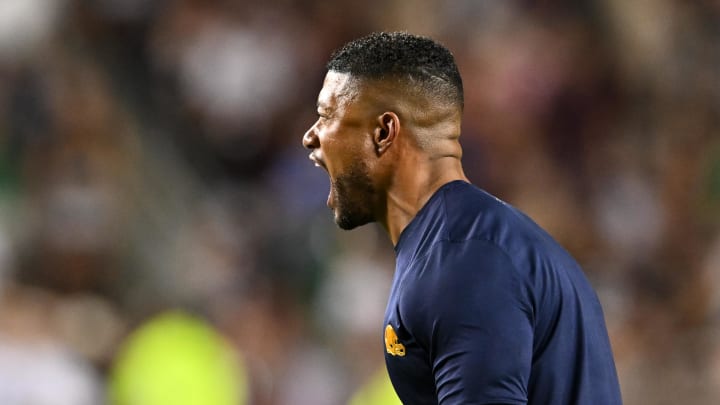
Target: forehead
x: 338, y: 89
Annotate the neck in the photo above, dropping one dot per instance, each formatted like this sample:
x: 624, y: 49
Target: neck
x: 414, y: 183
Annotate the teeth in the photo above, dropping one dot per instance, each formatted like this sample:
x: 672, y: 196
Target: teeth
x: 317, y: 162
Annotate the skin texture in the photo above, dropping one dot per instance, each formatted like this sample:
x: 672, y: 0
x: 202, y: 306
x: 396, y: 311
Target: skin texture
x: 386, y: 147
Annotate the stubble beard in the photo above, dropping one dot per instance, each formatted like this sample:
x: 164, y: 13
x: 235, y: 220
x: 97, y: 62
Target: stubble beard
x: 354, y: 195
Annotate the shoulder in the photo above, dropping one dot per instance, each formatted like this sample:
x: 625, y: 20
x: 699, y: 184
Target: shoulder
x: 462, y: 283
x: 458, y: 261
x: 470, y: 212
x: 474, y: 214
x: 458, y: 210
x: 453, y: 274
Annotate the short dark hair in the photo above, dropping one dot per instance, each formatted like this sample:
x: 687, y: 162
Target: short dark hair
x: 398, y: 55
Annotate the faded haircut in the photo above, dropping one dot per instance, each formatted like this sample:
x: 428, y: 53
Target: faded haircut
x: 415, y: 61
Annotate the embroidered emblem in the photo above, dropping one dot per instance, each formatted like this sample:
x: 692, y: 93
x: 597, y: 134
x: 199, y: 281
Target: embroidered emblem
x: 392, y: 345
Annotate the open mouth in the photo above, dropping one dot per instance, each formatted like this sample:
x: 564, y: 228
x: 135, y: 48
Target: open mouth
x: 318, y: 162
x: 321, y: 164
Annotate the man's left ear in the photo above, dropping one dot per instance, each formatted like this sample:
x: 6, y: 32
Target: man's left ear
x: 386, y: 131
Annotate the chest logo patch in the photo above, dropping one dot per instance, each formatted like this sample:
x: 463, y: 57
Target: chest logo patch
x: 392, y: 344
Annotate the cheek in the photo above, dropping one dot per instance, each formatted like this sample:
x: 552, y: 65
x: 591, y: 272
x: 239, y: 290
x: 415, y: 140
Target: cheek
x: 343, y: 153
x: 335, y: 157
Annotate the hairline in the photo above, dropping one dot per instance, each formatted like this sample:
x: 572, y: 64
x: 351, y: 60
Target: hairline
x: 402, y: 80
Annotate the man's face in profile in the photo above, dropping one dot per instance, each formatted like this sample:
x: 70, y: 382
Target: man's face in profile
x: 341, y: 142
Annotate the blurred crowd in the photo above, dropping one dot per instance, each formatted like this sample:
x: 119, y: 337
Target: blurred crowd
x: 151, y: 161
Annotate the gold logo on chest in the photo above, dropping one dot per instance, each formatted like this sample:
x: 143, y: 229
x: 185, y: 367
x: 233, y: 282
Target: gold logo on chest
x: 392, y: 344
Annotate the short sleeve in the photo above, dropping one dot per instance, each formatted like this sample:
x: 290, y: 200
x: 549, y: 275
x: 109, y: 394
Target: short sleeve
x: 477, y: 324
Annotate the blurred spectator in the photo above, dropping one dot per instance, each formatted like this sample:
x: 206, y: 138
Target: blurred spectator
x: 42, y: 374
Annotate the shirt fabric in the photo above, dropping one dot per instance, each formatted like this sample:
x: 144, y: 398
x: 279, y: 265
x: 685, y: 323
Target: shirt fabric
x: 486, y: 308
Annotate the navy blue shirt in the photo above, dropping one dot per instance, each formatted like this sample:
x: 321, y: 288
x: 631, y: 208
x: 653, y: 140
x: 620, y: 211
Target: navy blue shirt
x: 486, y: 308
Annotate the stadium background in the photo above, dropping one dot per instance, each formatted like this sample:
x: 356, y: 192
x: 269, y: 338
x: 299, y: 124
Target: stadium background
x: 150, y: 160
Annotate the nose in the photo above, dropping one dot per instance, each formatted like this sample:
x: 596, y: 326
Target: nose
x: 310, y: 139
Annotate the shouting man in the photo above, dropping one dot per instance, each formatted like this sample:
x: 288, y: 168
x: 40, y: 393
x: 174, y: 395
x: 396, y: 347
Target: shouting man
x: 485, y: 307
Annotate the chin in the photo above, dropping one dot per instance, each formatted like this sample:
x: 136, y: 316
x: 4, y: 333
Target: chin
x: 349, y: 222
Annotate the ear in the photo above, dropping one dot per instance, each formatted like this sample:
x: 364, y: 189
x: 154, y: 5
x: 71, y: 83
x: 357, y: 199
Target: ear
x: 386, y: 131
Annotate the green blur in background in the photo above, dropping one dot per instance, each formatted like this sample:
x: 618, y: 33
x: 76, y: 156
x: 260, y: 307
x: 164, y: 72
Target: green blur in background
x: 177, y: 359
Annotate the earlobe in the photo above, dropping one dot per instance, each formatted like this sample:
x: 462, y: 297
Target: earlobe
x: 386, y: 131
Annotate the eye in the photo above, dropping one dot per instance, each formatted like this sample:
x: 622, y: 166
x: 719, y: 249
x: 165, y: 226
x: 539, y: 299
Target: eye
x: 323, y: 118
